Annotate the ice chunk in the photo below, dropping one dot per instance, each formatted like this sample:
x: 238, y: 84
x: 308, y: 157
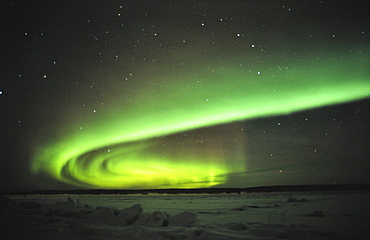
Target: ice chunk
x: 131, y: 214
x: 158, y: 219
x: 237, y: 226
x: 61, y: 209
x: 292, y: 199
x: 113, y: 209
x: 143, y: 220
x: 184, y: 219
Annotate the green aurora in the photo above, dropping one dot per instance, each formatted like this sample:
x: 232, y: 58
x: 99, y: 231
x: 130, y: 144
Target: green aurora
x: 121, y: 146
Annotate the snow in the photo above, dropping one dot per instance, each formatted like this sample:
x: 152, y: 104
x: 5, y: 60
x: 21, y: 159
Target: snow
x: 278, y: 215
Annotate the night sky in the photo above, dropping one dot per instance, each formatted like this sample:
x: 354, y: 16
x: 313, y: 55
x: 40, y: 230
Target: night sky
x: 166, y: 94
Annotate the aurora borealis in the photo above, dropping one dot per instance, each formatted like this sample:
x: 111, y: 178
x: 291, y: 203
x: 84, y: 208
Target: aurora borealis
x: 135, y: 95
x: 106, y: 161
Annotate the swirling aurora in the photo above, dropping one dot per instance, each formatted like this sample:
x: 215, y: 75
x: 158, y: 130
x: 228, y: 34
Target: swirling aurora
x: 130, y: 145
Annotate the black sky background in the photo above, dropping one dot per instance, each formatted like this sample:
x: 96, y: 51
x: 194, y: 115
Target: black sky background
x: 48, y: 46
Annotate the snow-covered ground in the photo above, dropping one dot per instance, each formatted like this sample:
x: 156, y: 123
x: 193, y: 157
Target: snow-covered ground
x: 278, y: 215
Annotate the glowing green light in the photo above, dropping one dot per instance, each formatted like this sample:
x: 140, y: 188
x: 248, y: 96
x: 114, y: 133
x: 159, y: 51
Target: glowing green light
x: 118, y: 147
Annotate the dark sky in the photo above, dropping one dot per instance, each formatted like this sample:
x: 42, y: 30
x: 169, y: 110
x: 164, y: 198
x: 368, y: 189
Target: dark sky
x: 153, y: 94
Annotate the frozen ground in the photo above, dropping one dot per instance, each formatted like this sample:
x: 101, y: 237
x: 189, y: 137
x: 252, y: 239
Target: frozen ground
x: 279, y: 215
